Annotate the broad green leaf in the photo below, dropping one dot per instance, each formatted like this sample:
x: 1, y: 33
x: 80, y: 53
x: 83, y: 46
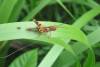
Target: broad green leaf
x: 28, y: 59
x: 12, y: 32
x: 0, y: 2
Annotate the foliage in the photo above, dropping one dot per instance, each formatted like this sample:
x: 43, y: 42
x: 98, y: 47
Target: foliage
x: 74, y: 42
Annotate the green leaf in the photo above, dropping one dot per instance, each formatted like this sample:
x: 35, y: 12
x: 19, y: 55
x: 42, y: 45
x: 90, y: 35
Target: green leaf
x: 16, y: 10
x: 89, y: 3
x: 87, y: 17
x: 28, y: 59
x: 48, y: 61
x: 77, y: 64
x: 95, y: 36
x: 97, y: 64
x: 38, y: 8
x: 90, y: 61
x: 6, y: 9
x: 64, y: 59
x: 65, y: 8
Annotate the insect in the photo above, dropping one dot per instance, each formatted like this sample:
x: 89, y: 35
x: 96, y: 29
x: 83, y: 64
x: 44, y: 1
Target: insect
x: 42, y: 29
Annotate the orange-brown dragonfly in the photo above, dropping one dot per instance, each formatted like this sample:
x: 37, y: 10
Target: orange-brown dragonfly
x: 42, y: 29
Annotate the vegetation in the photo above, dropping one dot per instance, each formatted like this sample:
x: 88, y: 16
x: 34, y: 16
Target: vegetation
x: 74, y: 43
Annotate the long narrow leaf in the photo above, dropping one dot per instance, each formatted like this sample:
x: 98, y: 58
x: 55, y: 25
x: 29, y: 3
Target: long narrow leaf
x: 16, y: 10
x: 6, y: 9
x: 35, y: 10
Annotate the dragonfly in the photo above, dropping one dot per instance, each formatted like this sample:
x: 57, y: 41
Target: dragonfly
x: 41, y: 28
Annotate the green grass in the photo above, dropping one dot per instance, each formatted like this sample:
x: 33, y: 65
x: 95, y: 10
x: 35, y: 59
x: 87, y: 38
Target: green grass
x: 73, y: 44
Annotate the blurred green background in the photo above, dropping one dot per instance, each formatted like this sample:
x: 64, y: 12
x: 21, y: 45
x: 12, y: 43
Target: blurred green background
x: 61, y: 11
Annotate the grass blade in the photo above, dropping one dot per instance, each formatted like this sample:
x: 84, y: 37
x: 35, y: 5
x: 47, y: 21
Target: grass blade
x: 83, y: 20
x: 63, y: 6
x: 6, y: 9
x: 35, y: 10
x: 16, y: 10
x: 90, y: 61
